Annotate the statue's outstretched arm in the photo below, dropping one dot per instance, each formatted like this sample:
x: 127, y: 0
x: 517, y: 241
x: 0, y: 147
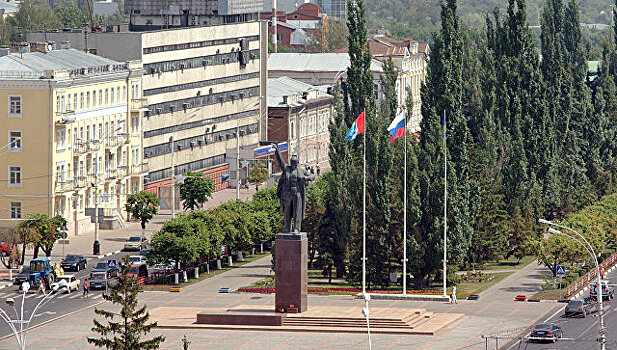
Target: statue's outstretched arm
x: 279, y: 157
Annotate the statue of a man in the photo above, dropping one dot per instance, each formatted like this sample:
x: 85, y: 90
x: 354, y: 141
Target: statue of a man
x: 291, y: 191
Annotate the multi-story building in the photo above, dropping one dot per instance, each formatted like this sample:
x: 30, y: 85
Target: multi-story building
x: 299, y: 114
x: 410, y: 58
x: 204, y: 86
x: 73, y: 128
x: 149, y: 15
x: 336, y: 9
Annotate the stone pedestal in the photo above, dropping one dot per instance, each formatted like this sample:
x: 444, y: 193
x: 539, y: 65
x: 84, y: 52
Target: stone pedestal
x: 291, y: 263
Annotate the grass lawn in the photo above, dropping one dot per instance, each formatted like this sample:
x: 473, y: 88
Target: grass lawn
x: 316, y: 280
x: 507, y: 264
x: 550, y: 294
x: 466, y: 288
x: 203, y: 275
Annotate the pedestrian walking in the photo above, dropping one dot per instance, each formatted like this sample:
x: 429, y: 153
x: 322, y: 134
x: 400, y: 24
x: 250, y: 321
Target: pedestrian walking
x: 453, y: 295
x: 41, y: 286
x: 85, y: 287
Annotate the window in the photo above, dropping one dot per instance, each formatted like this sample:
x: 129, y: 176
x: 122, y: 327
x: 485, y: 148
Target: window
x: 93, y: 98
x: 74, y: 101
x: 60, y: 139
x: 14, y: 140
x: 292, y: 127
x: 14, y: 175
x: 100, y: 97
x: 88, y: 99
x: 123, y: 93
x: 81, y: 100
x: 107, y: 96
x: 100, y: 130
x: 15, y: 210
x: 118, y: 94
x: 14, y: 106
x: 88, y: 132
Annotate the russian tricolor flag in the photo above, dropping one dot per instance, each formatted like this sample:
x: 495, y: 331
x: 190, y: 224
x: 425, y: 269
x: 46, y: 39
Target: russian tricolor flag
x: 358, y: 127
x: 397, y: 127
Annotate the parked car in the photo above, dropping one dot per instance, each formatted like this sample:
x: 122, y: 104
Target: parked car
x: 607, y: 291
x: 23, y: 276
x: 74, y: 262
x: 578, y: 307
x: 41, y: 268
x: 546, y: 331
x: 139, y: 270
x: 137, y: 259
x: 102, y: 266
x: 100, y: 279
x: 135, y: 243
x: 66, y: 283
x: 163, y: 268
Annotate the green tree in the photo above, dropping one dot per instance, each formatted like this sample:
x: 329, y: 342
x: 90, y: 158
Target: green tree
x: 71, y: 16
x: 178, y: 240
x: 41, y: 232
x: 195, y: 189
x: 142, y: 206
x: 125, y: 333
x: 32, y: 16
x: 258, y: 174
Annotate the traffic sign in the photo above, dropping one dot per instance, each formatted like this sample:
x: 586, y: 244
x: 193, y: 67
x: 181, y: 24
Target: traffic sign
x: 63, y: 241
x: 561, y: 270
x: 111, y: 264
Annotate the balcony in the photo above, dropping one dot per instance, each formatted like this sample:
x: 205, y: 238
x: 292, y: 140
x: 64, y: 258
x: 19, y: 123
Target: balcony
x: 80, y: 182
x: 123, y: 170
x: 63, y: 186
x: 93, y: 146
x: 117, y: 140
x: 139, y: 105
x: 111, y: 174
x: 66, y: 117
x: 80, y: 147
x: 139, y: 169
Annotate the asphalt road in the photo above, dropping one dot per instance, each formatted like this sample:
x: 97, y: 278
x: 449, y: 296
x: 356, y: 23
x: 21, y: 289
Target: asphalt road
x: 56, y: 306
x: 578, y: 332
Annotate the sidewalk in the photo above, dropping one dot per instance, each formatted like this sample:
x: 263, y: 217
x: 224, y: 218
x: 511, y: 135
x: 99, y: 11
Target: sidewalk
x: 495, y: 312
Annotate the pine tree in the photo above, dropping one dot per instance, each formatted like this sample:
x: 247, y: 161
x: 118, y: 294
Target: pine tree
x: 133, y: 321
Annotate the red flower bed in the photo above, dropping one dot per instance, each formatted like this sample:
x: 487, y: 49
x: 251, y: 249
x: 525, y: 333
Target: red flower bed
x: 350, y: 291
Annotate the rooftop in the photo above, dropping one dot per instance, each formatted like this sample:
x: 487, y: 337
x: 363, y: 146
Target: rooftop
x: 313, y: 62
x: 285, y: 86
x: 35, y: 64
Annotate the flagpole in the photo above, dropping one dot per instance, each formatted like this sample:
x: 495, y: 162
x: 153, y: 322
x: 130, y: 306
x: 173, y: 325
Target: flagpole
x: 405, y: 214
x: 364, y: 209
x: 445, y: 202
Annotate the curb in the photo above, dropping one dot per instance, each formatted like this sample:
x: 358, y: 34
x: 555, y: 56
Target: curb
x: 104, y: 255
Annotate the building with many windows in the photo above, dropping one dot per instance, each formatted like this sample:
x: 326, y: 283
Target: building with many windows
x: 299, y: 114
x: 411, y: 59
x: 204, y: 86
x: 73, y: 136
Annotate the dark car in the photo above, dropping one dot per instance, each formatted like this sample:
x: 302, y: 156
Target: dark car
x: 74, y: 262
x: 102, y: 266
x: 578, y: 307
x: 139, y: 270
x: 607, y: 291
x: 100, y: 279
x: 546, y: 331
x: 23, y: 276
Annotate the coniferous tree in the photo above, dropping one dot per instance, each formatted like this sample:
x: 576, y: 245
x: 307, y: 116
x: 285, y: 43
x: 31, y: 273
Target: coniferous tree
x: 132, y: 323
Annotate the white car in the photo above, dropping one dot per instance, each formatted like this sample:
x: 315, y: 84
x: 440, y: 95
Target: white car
x: 137, y: 259
x: 66, y: 283
x: 135, y: 243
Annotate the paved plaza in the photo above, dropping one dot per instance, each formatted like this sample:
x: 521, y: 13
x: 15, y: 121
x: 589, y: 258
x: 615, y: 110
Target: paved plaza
x: 495, y: 313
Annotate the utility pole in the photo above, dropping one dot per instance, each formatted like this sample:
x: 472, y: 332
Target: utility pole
x: 173, y: 178
x: 274, y: 37
x: 96, y: 248
x: 238, y: 161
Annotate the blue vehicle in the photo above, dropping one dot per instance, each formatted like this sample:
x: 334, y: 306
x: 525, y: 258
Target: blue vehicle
x: 41, y: 268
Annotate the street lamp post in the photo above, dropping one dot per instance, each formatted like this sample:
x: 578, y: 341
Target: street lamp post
x: 19, y: 326
x: 96, y: 246
x: 172, y: 140
x: 589, y: 248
